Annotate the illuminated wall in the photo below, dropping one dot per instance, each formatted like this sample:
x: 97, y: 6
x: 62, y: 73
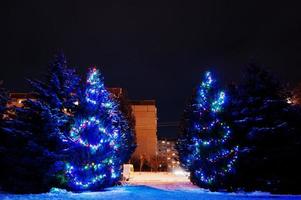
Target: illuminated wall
x: 145, y: 113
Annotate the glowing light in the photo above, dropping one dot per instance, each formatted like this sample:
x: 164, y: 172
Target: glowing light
x: 207, y: 152
x: 180, y: 172
x: 99, y: 133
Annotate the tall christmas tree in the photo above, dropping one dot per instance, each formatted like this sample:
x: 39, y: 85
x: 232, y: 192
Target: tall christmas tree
x: 205, y: 147
x: 102, y: 139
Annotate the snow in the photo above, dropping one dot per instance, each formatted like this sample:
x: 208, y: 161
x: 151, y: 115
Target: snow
x: 157, y: 177
x: 144, y: 192
x: 150, y: 186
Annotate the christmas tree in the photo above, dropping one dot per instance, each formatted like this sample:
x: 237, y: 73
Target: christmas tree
x: 102, y: 138
x: 205, y: 147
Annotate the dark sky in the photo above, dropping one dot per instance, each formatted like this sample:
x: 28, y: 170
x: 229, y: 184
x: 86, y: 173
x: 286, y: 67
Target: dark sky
x: 155, y: 51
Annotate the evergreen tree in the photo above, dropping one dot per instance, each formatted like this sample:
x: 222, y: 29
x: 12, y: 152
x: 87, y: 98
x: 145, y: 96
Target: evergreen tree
x: 205, y: 147
x: 33, y: 147
x: 35, y: 139
x: 60, y: 88
x: 102, y: 138
x: 3, y: 110
x: 267, y: 133
x: 126, y: 109
x: 3, y: 102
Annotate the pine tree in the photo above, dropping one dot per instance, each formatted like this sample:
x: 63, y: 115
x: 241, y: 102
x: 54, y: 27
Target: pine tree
x: 33, y: 146
x: 268, y: 133
x: 35, y: 138
x: 126, y: 109
x: 60, y: 87
x: 59, y: 90
x: 3, y: 101
x: 205, y: 147
x: 102, y: 138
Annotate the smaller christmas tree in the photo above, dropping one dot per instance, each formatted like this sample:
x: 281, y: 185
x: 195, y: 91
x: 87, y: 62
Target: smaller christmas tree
x: 205, y: 147
x: 102, y: 139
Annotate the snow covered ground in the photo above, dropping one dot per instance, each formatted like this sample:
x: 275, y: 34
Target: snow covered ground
x: 146, y: 193
x: 157, y: 177
x: 150, y: 187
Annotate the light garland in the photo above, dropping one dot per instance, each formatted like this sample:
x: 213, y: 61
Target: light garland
x: 208, y: 132
x: 104, y: 124
x: 224, y: 128
x: 216, y: 106
x: 71, y: 171
x: 76, y: 130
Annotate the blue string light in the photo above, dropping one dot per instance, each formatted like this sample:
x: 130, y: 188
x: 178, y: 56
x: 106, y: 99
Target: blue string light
x: 99, y: 134
x: 208, y: 157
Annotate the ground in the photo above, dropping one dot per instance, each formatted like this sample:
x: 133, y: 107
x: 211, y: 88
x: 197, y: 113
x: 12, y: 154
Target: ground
x: 150, y: 187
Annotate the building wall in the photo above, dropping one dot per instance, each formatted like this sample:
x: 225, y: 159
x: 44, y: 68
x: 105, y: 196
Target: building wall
x: 146, y: 130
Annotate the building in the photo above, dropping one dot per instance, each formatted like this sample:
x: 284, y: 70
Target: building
x: 145, y: 113
x: 168, y: 155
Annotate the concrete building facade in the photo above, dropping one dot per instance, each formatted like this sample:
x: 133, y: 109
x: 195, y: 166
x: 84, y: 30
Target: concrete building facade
x: 145, y: 113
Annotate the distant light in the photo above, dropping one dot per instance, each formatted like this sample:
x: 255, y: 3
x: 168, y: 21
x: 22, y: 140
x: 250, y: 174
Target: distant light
x: 180, y: 172
x: 292, y: 101
x: 76, y: 103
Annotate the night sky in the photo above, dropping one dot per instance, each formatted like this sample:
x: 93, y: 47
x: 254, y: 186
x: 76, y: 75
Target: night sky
x: 155, y: 51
